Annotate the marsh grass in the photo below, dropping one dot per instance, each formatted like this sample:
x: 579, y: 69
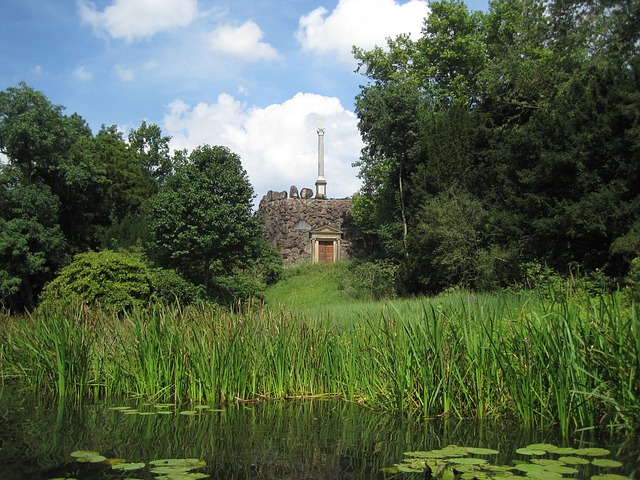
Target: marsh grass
x: 571, y: 360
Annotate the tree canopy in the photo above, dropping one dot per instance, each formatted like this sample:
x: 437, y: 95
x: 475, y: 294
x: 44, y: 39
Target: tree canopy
x: 201, y: 220
x: 501, y: 138
x: 66, y: 192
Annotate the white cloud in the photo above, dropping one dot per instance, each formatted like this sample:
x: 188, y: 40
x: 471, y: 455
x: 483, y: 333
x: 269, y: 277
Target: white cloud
x: 364, y: 23
x: 82, y: 74
x: 125, y: 74
x: 278, y: 143
x: 243, y: 42
x: 133, y: 19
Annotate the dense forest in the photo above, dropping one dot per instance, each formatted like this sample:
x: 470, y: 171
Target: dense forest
x: 120, y: 221
x: 496, y: 145
x: 504, y: 142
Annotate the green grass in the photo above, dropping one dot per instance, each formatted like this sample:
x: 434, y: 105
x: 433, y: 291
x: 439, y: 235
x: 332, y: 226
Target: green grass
x: 572, y: 360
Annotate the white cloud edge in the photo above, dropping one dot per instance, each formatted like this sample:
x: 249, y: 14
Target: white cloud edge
x: 277, y: 143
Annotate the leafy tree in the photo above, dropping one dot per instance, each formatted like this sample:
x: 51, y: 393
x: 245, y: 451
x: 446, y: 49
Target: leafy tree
x: 32, y: 246
x: 201, y: 221
x: 529, y: 114
x: 50, y: 148
x: 153, y: 150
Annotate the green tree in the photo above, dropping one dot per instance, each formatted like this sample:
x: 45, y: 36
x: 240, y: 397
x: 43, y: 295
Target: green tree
x: 32, y: 246
x: 201, y: 220
x: 153, y: 150
x: 53, y: 149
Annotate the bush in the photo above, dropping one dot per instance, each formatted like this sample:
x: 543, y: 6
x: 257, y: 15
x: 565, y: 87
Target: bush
x: 238, y: 287
x: 633, y: 279
x: 115, y: 280
x: 168, y: 286
x: 369, y: 280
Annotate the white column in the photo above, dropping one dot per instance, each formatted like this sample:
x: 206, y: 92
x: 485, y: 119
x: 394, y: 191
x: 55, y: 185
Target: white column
x: 321, y: 183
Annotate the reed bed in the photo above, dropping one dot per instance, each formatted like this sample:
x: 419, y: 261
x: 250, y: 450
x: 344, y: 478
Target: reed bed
x: 570, y: 360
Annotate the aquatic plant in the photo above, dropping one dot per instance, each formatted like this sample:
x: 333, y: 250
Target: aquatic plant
x: 570, y: 360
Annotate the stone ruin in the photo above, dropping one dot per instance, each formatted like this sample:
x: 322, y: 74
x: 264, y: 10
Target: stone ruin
x: 307, y: 229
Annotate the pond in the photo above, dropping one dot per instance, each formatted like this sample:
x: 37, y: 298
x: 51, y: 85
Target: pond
x: 303, y: 439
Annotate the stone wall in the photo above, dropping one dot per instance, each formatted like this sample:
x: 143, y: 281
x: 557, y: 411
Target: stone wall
x: 288, y: 222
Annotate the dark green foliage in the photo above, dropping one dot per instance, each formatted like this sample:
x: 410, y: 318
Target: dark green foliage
x: 113, y: 280
x: 32, y: 246
x: 530, y: 113
x: 450, y: 246
x: 369, y: 280
x: 130, y: 231
x: 168, y: 287
x: 200, y: 221
x: 236, y: 288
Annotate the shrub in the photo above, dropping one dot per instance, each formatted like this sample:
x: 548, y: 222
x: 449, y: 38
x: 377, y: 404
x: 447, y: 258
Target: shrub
x: 369, y: 280
x: 115, y: 280
x: 168, y: 286
x: 238, y: 287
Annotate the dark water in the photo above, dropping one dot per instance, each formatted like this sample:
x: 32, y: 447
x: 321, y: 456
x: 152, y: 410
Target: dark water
x: 320, y: 439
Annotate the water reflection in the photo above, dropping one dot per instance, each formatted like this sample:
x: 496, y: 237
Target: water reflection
x: 320, y: 439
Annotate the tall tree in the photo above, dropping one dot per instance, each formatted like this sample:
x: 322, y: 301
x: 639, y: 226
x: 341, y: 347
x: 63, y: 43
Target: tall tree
x: 201, y: 220
x: 153, y: 149
x: 32, y: 246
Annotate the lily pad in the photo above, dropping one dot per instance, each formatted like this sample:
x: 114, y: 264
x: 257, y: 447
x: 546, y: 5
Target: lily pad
x: 170, y: 470
x: 183, y: 476
x: 565, y: 451
x: 409, y: 469
x: 422, y: 454
x: 593, y: 452
x: 468, y: 461
x: 128, y: 466
x: 605, y: 462
x: 530, y: 451
x: 179, y: 462
x: 529, y: 467
x: 482, y: 451
x: 547, y: 447
x: 547, y: 461
x: 84, y: 453
x: 451, y: 451
x: 88, y: 456
x: 561, y: 469
x: 544, y: 475
x: 574, y: 460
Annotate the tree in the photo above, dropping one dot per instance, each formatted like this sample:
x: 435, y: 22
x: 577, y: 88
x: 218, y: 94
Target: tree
x: 201, y: 220
x: 153, y: 150
x: 32, y: 246
x: 530, y: 114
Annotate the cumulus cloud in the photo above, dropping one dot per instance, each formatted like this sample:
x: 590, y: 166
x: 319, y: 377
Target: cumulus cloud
x: 278, y: 143
x: 125, y: 74
x: 134, y: 19
x: 243, y: 42
x: 364, y: 23
x: 81, y: 73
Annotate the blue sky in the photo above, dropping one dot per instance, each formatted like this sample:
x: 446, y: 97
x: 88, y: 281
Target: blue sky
x: 259, y: 76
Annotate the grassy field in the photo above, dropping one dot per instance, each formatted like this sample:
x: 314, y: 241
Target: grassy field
x: 568, y: 358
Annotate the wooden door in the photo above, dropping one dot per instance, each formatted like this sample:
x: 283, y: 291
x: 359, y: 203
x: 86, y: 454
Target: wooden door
x: 325, y: 251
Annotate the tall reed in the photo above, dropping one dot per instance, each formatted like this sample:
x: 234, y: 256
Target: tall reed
x: 573, y: 360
